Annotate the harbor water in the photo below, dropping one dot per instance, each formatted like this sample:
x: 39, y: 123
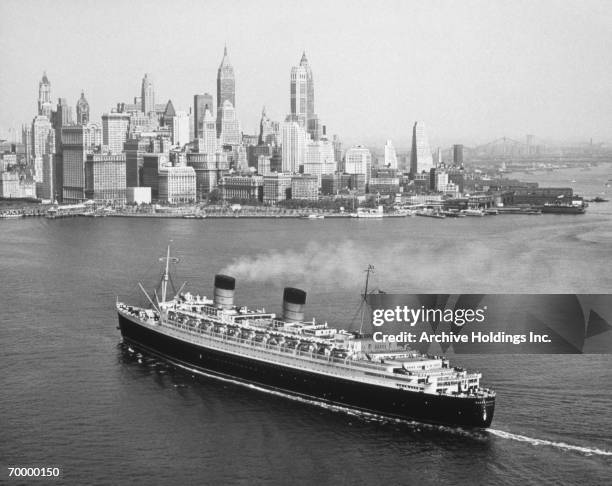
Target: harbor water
x: 72, y: 396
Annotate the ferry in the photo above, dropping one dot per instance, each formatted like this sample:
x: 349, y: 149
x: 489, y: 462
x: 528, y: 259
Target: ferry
x: 430, y: 213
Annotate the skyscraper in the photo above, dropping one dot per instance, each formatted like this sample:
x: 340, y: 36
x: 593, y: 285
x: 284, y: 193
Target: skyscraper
x: 75, y: 140
x: 82, y: 110
x: 169, y: 114
x: 46, y: 188
x: 268, y: 130
x: 41, y: 128
x: 358, y: 160
x: 105, y: 177
x: 147, y: 95
x: 420, y: 156
x: 230, y: 126
x: 180, y: 128
x: 115, y: 130
x: 337, y: 143
x: 319, y: 159
x: 293, y: 139
x: 226, y: 87
x: 26, y: 140
x: 134, y: 149
x: 302, y: 98
x: 241, y: 164
x: 61, y: 118
x: 43, y: 142
x: 208, y: 137
x: 390, y: 155
x: 458, y: 154
x: 201, y: 103
x: 45, y: 107
x: 63, y: 114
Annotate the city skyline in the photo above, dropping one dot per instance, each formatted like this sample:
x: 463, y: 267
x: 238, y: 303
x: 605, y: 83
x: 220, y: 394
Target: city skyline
x: 502, y: 93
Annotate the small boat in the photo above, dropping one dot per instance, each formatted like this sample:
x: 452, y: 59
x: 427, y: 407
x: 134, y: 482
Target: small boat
x: 430, y: 213
x: 453, y: 214
x: 473, y: 212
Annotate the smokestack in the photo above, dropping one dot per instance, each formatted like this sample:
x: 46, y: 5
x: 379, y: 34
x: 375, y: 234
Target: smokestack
x: 293, y: 304
x: 224, y: 291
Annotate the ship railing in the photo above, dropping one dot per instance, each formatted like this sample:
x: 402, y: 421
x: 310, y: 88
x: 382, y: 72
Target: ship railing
x: 249, y: 348
x: 293, y: 354
x: 329, y: 364
x: 247, y: 324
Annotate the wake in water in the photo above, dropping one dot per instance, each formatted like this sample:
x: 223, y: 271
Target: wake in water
x: 560, y: 445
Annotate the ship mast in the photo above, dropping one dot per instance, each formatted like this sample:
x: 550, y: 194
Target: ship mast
x: 164, y: 286
x: 369, y: 270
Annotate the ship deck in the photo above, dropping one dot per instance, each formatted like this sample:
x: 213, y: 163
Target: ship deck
x: 353, y: 369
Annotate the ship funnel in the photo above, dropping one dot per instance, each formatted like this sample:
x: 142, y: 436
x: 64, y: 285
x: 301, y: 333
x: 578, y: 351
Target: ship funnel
x: 293, y: 304
x: 224, y: 291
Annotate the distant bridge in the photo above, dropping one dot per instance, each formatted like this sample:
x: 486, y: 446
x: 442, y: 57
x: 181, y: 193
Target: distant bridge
x: 507, y: 147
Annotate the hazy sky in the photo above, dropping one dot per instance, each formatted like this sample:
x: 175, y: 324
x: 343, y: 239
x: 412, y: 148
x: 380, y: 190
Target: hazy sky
x: 474, y: 71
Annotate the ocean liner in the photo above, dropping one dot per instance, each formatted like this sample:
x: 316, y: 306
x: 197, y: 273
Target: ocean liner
x: 300, y: 358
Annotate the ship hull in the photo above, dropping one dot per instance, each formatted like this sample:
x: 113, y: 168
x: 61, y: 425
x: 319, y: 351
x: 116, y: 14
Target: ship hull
x: 367, y: 397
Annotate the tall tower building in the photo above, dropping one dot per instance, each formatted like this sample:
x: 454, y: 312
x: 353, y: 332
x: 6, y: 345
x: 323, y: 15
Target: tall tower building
x: 115, y: 128
x: 169, y: 114
x: 268, y: 130
x: 458, y: 154
x: 147, y: 95
x: 201, y: 103
x: 63, y: 114
x: 390, y: 155
x: 293, y: 139
x: 209, y: 134
x: 45, y: 106
x: 337, y: 143
x: 41, y: 128
x: 61, y: 118
x: 26, y: 140
x: 319, y: 159
x: 226, y: 87
x: 420, y: 155
x: 180, y: 128
x: 230, y: 126
x: 105, y: 177
x: 302, y: 98
x: 75, y: 142
x: 358, y: 160
x: 82, y: 110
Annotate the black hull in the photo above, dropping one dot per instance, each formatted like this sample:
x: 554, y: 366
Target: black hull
x: 437, y: 409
